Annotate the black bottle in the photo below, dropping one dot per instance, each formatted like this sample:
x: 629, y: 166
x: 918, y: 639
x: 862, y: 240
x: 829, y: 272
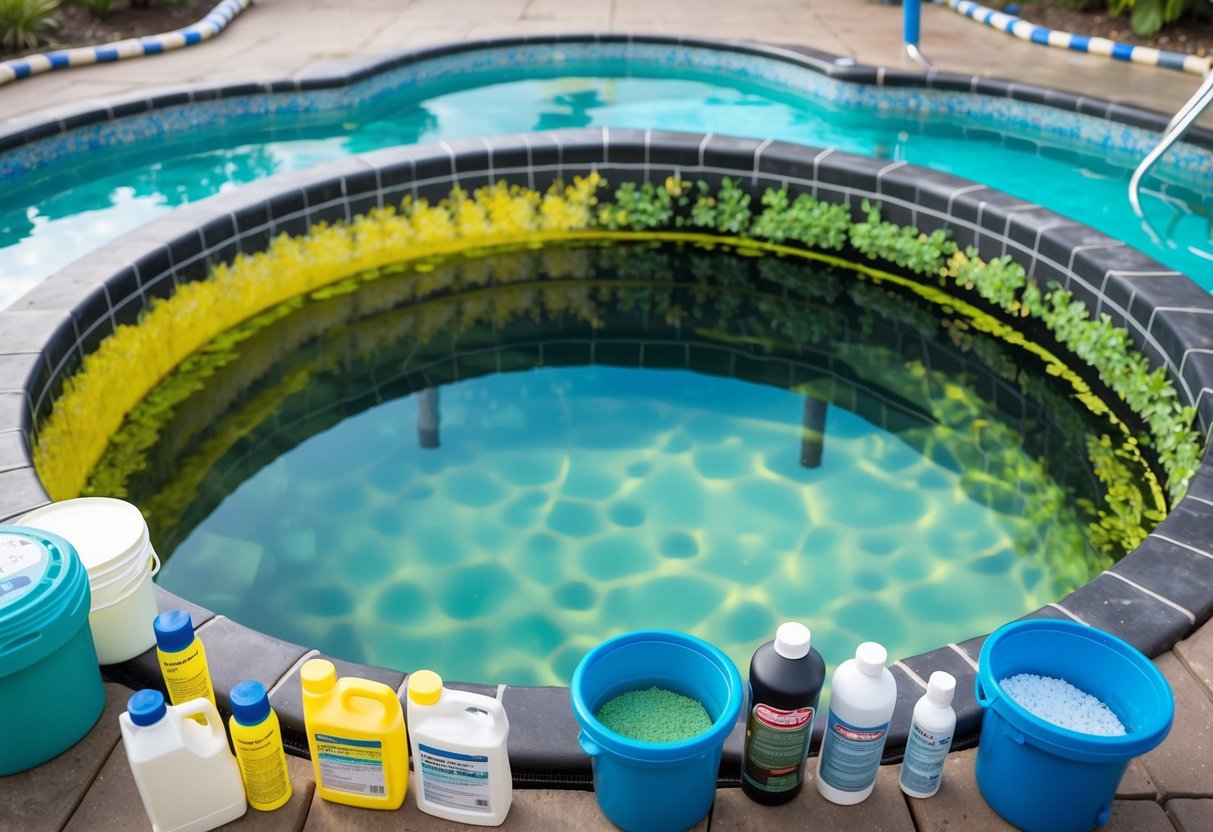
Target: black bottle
x: 786, y: 676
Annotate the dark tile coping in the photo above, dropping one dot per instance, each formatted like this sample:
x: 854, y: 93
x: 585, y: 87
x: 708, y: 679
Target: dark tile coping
x: 339, y: 74
x: 1153, y: 598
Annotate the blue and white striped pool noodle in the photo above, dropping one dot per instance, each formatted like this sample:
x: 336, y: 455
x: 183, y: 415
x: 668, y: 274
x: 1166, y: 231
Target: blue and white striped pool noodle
x: 205, y: 29
x: 1025, y: 30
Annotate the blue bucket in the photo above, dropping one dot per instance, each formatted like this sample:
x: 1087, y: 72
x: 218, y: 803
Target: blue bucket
x: 651, y: 786
x: 50, y: 684
x: 1045, y: 778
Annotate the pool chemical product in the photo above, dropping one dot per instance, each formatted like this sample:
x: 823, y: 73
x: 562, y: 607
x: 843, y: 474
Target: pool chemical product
x: 1059, y: 702
x: 786, y: 676
x: 654, y: 715
x: 355, y: 735
x: 862, y: 695
x: 50, y: 686
x: 655, y: 786
x: 257, y: 738
x: 187, y: 777
x: 461, y: 770
x: 1038, y: 775
x: 112, y: 540
x: 931, y: 731
x: 182, y: 658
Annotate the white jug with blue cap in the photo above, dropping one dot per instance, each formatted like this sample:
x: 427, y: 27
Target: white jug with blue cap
x: 185, y: 771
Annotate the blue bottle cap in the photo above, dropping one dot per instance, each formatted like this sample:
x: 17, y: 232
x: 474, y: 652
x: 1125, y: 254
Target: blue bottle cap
x: 146, y: 707
x: 250, y: 704
x: 174, y: 631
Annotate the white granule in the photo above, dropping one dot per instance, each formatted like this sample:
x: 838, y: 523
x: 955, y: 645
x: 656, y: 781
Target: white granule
x: 1059, y: 702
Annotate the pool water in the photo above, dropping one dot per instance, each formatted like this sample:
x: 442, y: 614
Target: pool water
x: 490, y: 493
x: 47, y: 223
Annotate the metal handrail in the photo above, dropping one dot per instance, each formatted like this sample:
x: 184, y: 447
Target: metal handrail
x: 1178, y: 125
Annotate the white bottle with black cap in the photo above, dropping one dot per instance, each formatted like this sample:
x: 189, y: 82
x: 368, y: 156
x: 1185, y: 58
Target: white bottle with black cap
x: 930, y: 738
x: 786, y: 676
x: 862, y: 696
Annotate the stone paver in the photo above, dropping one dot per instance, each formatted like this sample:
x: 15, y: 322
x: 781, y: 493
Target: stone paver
x: 113, y: 802
x: 1191, y: 815
x: 281, y: 38
x: 884, y: 811
x: 1196, y: 653
x: 43, y: 798
x: 1182, y: 766
x: 1136, y: 784
x: 533, y: 810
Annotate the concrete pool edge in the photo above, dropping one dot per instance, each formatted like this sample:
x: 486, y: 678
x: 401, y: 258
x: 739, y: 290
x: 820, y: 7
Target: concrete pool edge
x: 1153, y: 598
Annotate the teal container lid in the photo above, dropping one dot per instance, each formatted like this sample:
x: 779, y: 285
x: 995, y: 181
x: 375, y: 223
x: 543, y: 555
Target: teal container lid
x: 44, y: 596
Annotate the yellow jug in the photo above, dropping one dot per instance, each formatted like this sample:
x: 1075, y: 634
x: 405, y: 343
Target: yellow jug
x: 355, y: 733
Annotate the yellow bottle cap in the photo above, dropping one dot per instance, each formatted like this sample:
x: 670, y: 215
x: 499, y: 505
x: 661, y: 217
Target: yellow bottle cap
x: 425, y: 687
x: 318, y: 675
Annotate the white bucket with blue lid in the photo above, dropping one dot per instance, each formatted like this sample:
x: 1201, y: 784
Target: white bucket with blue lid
x: 50, y: 685
x: 112, y: 540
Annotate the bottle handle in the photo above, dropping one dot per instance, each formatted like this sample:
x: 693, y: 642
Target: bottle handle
x: 979, y: 692
x: 204, y: 707
x: 461, y: 701
x: 377, y: 691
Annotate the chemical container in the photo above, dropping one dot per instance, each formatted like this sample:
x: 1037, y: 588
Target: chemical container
x: 651, y: 786
x: 257, y: 738
x: 185, y: 772
x: 50, y: 685
x: 786, y: 676
x: 1040, y: 776
x: 461, y: 769
x: 863, y: 694
x: 931, y: 730
x: 112, y: 540
x: 182, y: 658
x: 355, y: 734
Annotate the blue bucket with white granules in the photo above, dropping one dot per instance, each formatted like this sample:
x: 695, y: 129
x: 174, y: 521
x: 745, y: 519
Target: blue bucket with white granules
x: 1046, y: 778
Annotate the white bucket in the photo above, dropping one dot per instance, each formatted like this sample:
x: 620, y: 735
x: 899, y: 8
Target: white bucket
x: 112, y: 540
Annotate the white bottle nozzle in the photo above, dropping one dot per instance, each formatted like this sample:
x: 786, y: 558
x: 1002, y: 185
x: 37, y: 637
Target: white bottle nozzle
x: 792, y: 640
x: 870, y: 658
x: 941, y: 687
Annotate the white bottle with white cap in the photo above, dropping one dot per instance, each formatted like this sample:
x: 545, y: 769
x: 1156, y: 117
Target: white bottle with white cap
x: 862, y: 696
x: 931, y: 732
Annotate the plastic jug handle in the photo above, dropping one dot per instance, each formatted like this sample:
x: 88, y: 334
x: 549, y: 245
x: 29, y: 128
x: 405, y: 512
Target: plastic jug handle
x: 377, y: 691
x: 492, y: 707
x: 588, y: 745
x: 203, y: 706
x: 979, y: 692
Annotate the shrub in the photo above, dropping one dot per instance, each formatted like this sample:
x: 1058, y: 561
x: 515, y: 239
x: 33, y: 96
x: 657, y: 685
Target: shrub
x: 98, y: 7
x: 25, y: 24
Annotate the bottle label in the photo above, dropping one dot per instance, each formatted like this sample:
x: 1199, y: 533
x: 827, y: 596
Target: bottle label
x: 186, y: 676
x: 456, y: 781
x: 354, y: 766
x: 776, y: 745
x: 262, y: 767
x: 926, y: 752
x: 850, y: 754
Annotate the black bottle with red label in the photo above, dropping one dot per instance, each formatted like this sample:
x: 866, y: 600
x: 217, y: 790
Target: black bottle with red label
x: 786, y: 677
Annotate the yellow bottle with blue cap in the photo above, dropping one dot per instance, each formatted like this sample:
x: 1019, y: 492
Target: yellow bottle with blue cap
x: 257, y: 738
x: 182, y: 659
x: 355, y: 733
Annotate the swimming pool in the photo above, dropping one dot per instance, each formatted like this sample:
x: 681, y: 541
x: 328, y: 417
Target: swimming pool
x: 59, y: 202
x: 495, y: 493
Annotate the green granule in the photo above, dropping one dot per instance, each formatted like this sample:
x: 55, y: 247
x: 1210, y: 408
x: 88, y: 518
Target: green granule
x: 654, y: 715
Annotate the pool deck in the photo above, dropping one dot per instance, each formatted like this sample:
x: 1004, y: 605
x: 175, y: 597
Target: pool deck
x: 89, y: 788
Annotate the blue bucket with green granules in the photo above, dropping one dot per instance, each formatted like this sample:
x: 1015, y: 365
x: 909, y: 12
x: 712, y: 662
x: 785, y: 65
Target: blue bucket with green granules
x: 656, y: 786
x: 50, y: 683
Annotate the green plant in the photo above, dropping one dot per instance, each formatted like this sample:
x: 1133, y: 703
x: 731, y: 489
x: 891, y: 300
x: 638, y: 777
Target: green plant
x: 1148, y: 16
x: 25, y: 24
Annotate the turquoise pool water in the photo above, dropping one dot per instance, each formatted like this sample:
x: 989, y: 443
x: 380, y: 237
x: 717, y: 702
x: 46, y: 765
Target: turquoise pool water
x: 47, y: 223
x: 476, y: 487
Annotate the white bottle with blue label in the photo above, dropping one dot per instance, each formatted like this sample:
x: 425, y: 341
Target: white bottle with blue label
x: 461, y: 769
x: 862, y: 696
x: 930, y: 739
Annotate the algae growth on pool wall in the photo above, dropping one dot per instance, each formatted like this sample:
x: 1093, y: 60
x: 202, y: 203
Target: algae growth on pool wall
x: 669, y: 500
